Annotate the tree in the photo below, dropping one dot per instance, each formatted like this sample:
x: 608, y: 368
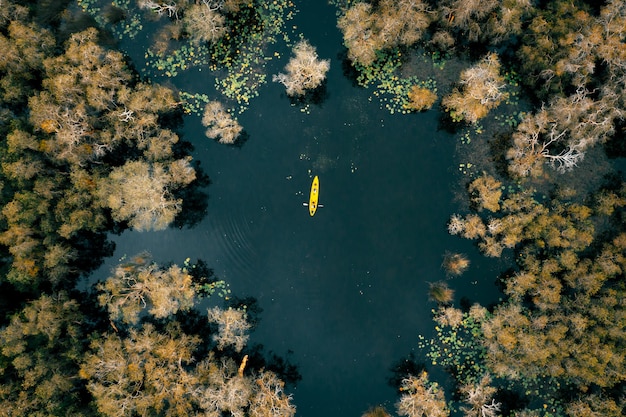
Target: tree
x: 220, y: 123
x: 420, y: 397
x: 233, y: 327
x: 157, y: 368
x: 160, y: 8
x: 378, y: 411
x: 421, y: 98
x: 204, y: 23
x: 455, y: 263
x: 41, y: 348
x: 147, y: 372
x: 485, y: 192
x: 24, y: 50
x: 367, y: 30
x: 269, y: 399
x: 570, y: 125
x: 140, y: 193
x: 484, y: 21
x: 440, y: 292
x: 481, y: 89
x: 594, y: 406
x: 84, y: 115
x: 304, y: 70
x: 140, y: 284
x: 479, y: 398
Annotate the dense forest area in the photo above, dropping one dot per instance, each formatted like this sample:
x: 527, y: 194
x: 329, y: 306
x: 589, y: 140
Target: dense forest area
x: 90, y: 146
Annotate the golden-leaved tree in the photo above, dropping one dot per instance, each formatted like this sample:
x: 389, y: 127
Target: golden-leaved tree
x: 481, y: 88
x: 574, y: 61
x: 139, y: 284
x: 220, y: 124
x: 41, y: 348
x: 421, y: 397
x: 86, y: 148
x: 565, y: 312
x: 304, y: 70
x: 145, y: 368
x: 367, y: 30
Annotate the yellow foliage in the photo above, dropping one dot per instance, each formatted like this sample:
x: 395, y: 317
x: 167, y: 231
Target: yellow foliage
x: 486, y: 192
x: 421, y: 98
x: 48, y: 126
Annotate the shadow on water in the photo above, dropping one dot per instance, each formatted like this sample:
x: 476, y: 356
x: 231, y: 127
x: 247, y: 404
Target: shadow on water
x: 404, y: 367
x: 316, y: 97
x: 93, y: 249
x: 195, y: 200
x: 347, y: 68
x: 243, y: 137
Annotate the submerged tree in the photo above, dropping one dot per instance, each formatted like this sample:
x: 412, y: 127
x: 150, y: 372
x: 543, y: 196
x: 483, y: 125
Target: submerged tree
x: 140, y: 193
x: 304, y: 70
x: 420, y: 397
x: 367, y: 30
x: 455, y: 263
x: 140, y: 284
x: 68, y: 145
x: 481, y: 89
x: 440, y: 292
x: 221, y: 125
x: 41, y: 349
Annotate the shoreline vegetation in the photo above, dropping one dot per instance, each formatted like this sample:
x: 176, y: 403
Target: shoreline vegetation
x: 533, y: 90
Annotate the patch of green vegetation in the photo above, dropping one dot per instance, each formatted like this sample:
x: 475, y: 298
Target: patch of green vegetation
x: 237, y: 62
x: 241, y: 57
x: 510, y: 120
x: 389, y: 87
x: 439, y: 59
x: 128, y: 26
x: 458, y: 348
x: 182, y: 59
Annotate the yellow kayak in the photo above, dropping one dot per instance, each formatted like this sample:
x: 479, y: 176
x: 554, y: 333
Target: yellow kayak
x: 315, y: 192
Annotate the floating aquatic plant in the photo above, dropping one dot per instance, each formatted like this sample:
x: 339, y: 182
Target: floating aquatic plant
x: 127, y: 27
x: 389, y: 87
x: 236, y: 63
x: 458, y: 348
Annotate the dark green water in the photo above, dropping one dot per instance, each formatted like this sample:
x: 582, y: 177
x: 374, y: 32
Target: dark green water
x: 345, y: 290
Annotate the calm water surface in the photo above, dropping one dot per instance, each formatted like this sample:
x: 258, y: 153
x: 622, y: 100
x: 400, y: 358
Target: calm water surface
x: 346, y: 290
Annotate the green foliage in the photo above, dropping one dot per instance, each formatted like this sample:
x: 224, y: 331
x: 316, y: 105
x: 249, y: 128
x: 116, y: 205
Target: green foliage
x: 457, y: 345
